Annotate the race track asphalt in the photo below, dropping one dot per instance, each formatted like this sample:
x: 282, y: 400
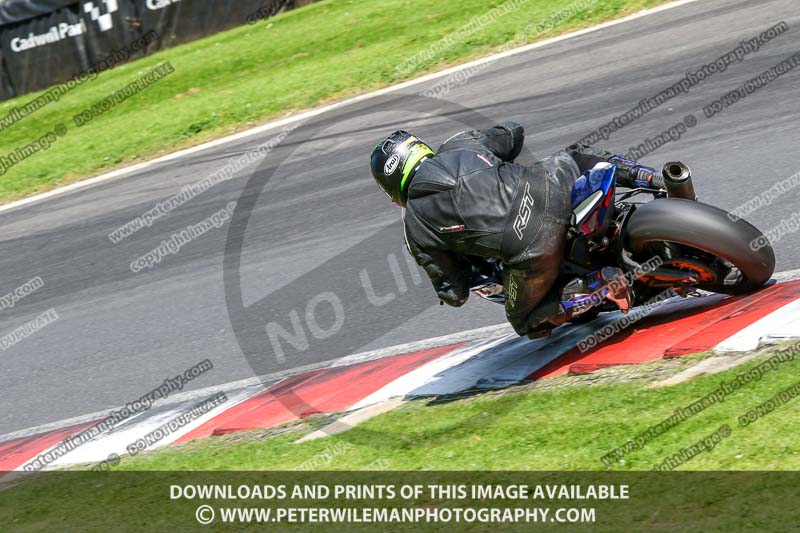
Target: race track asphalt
x: 315, y: 245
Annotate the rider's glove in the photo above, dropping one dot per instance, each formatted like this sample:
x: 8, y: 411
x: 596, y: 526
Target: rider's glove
x: 517, y: 137
x: 633, y: 175
x: 450, y: 279
x: 451, y: 295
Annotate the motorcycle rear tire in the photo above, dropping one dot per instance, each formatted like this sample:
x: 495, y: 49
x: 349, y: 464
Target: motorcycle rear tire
x: 708, y: 229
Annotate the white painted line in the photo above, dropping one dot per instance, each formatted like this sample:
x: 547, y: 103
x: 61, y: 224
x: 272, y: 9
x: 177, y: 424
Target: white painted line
x: 494, y: 363
x: 433, y: 377
x: 256, y: 384
x: 117, y: 440
x: 787, y: 332
x: 788, y: 275
x: 781, y: 323
x: 522, y: 360
x: 324, y: 109
x: 352, y: 419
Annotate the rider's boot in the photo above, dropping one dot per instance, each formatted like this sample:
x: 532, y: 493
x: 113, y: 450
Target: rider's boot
x: 584, y: 293
x: 579, y: 296
x: 619, y: 291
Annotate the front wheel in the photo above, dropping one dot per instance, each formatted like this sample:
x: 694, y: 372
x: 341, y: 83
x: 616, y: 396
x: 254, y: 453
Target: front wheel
x: 726, y: 255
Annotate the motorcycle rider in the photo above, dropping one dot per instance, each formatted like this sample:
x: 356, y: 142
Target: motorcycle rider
x: 469, y: 198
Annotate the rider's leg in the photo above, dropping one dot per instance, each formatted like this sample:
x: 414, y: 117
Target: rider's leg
x: 533, y: 242
x: 531, y: 299
x: 578, y: 297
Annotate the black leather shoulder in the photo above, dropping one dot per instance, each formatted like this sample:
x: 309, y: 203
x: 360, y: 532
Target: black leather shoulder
x: 432, y: 176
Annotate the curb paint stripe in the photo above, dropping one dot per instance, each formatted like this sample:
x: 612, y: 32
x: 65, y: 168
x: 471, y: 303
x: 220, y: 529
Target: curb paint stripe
x: 319, y: 391
x: 763, y: 304
x: 256, y: 384
x: 430, y: 377
x: 15, y: 453
x: 120, y: 437
x: 698, y: 324
x: 783, y: 323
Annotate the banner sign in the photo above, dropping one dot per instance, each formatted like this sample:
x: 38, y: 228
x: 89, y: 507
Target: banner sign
x: 44, y: 42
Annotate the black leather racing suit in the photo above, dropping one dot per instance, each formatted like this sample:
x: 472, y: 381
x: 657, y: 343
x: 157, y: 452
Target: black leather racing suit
x: 470, y: 199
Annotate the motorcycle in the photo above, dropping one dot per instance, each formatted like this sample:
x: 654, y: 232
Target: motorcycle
x: 672, y: 242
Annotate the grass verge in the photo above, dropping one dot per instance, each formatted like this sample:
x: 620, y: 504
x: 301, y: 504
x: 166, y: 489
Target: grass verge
x: 559, y: 424
x: 242, y: 77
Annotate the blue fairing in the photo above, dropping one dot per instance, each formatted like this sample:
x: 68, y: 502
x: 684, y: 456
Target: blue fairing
x: 591, y: 181
x: 598, y: 182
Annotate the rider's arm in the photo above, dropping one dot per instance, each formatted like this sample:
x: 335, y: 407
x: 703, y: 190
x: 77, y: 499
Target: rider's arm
x: 449, y: 277
x: 587, y: 157
x: 448, y: 273
x: 504, y: 140
x: 629, y: 173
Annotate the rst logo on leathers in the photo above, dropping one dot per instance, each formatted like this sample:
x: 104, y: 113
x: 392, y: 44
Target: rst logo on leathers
x: 391, y: 164
x: 511, y: 293
x: 525, y: 211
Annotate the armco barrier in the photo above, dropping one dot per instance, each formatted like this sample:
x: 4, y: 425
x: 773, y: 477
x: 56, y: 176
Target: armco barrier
x: 44, y: 42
